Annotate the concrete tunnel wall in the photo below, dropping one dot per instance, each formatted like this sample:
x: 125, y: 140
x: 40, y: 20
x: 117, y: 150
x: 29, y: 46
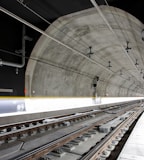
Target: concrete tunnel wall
x: 59, y: 71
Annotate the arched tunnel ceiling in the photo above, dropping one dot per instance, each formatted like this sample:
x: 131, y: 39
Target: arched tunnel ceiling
x: 60, y: 71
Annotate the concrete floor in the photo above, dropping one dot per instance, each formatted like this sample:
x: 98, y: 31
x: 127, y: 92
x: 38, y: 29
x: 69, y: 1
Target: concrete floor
x: 134, y: 147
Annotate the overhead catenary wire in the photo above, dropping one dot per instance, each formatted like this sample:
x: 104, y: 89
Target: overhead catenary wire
x: 45, y: 20
x: 113, y: 31
x: 61, y: 43
x: 52, y: 38
x: 115, y: 19
x: 138, y: 48
x: 125, y: 34
x: 58, y: 66
x: 109, y: 26
x: 50, y: 63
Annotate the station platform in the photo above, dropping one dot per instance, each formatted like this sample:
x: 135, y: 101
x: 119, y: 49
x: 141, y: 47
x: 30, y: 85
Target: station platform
x: 134, y: 147
x: 37, y: 108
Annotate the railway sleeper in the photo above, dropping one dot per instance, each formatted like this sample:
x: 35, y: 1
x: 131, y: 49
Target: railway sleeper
x: 82, y: 138
x: 9, y: 139
x: 92, y: 131
x: 100, y: 158
x: 68, y: 147
x: 89, y: 135
x: 44, y: 158
x: 20, y: 136
x: 66, y: 123
x: 55, y: 126
x: 42, y: 130
x: 59, y: 152
x: 75, y: 142
x: 24, y: 135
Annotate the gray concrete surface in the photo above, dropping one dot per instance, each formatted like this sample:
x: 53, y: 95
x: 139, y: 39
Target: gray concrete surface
x: 134, y: 147
x: 86, y: 145
x: 67, y: 156
x: 62, y: 72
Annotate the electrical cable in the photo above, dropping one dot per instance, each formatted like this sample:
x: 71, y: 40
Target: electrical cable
x: 101, y: 14
x: 42, y: 32
x: 122, y: 31
x: 57, y: 66
x: 78, y: 42
x: 31, y: 10
x: 75, y: 51
x: 122, y: 34
x: 45, y: 20
x: 50, y: 63
x: 125, y: 35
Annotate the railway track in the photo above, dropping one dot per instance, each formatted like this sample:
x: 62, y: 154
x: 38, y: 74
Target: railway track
x: 104, y: 149
x: 17, y: 130
x: 69, y: 121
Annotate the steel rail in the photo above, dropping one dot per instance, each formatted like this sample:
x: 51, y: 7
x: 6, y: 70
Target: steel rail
x: 67, y: 116
x: 29, y: 130
x: 57, y: 120
x: 101, y: 109
x: 42, y: 150
x: 97, y: 151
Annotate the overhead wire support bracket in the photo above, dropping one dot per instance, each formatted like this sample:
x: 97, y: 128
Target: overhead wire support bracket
x: 50, y: 37
x: 110, y: 28
x: 45, y: 20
